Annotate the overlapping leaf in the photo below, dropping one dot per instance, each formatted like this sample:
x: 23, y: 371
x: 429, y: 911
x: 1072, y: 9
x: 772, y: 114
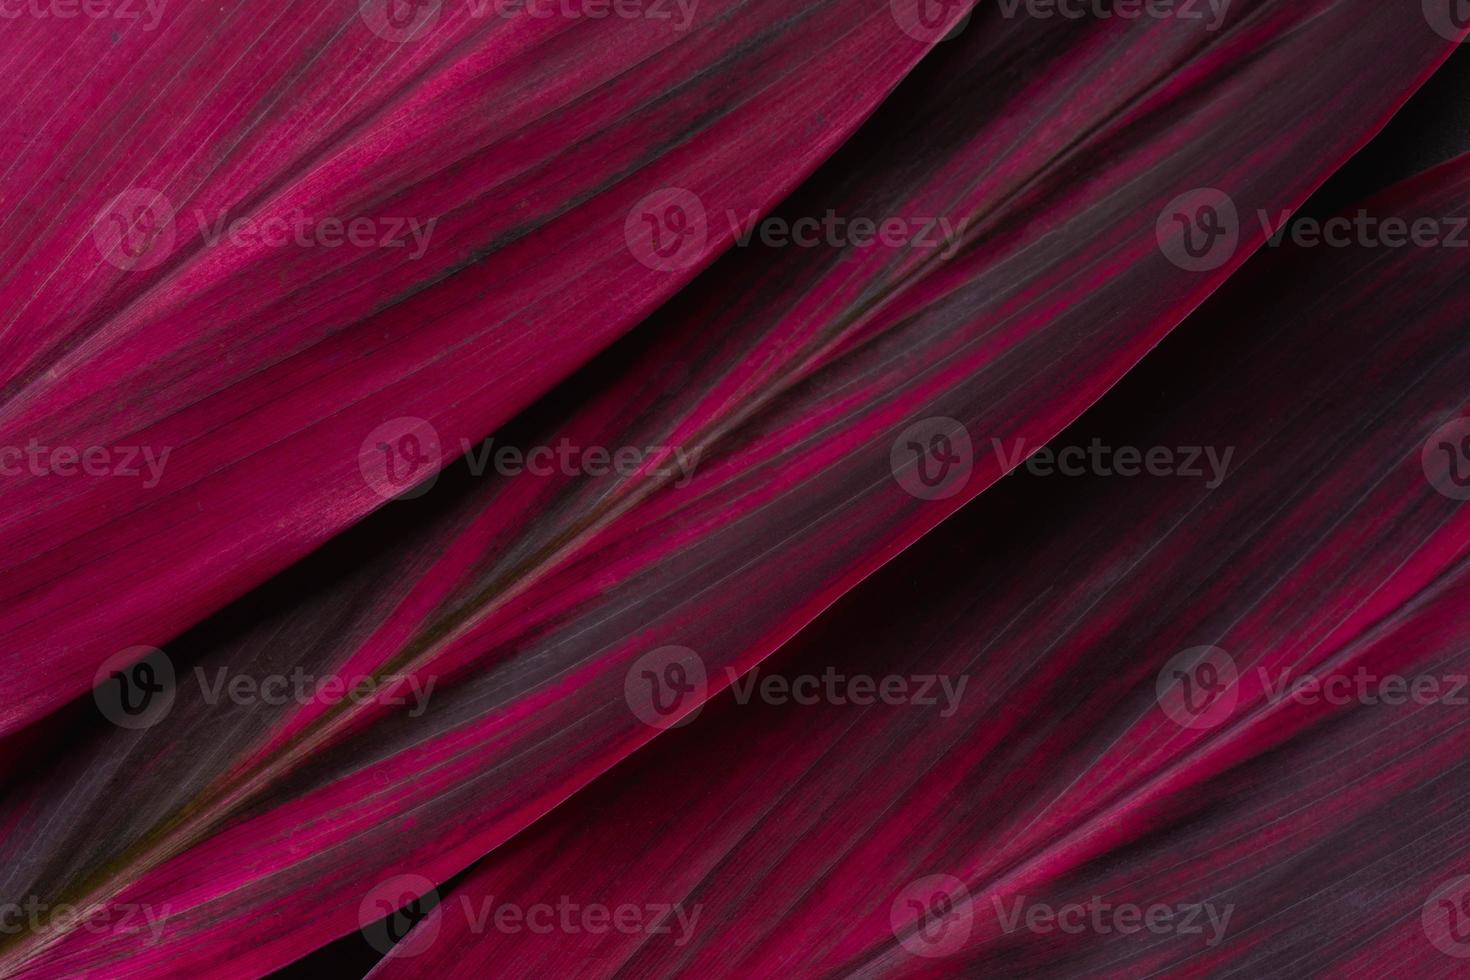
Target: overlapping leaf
x: 527, y: 600
x: 1305, y: 798
x: 182, y: 299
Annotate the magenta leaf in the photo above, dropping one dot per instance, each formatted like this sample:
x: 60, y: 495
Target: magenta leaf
x: 267, y: 268
x: 1190, y: 722
x: 533, y: 612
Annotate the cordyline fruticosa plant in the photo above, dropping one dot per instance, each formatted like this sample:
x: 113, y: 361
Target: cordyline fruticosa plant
x: 730, y: 488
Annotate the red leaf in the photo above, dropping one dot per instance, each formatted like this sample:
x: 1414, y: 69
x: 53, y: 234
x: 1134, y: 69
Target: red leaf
x: 237, y: 390
x: 1076, y: 774
x: 528, y: 601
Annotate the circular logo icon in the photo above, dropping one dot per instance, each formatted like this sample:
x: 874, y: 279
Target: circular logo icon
x: 932, y: 916
x: 1199, y: 230
x: 664, y: 683
x: 929, y: 21
x: 136, y: 230
x: 668, y: 229
x: 1446, y: 917
x: 1446, y: 459
x: 134, y: 688
x: 932, y: 459
x: 399, y: 20
x: 399, y: 459
x: 1449, y: 18
x: 1197, y: 687
x: 395, y: 915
